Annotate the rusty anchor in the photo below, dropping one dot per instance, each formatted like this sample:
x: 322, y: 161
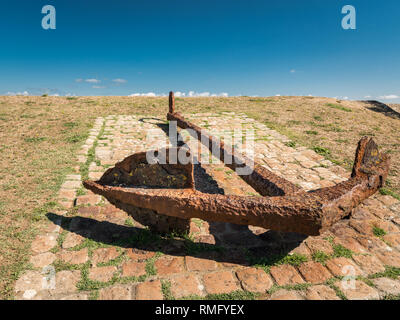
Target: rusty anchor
x: 164, y: 197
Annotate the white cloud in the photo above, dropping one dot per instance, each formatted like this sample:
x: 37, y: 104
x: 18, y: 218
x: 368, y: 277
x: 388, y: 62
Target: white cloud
x: 292, y: 71
x: 277, y: 95
x: 25, y: 93
x: 98, y: 87
x: 389, y: 97
x: 119, y: 80
x: 148, y: 94
x: 367, y: 97
x: 78, y: 80
x: 93, y: 80
x: 203, y: 94
x: 180, y: 94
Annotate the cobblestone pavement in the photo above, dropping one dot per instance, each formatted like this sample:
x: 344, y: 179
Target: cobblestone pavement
x: 92, y: 250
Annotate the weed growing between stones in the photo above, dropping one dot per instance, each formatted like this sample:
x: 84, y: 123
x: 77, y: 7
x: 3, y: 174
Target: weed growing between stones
x: 166, y: 290
x: 274, y: 260
x: 320, y: 257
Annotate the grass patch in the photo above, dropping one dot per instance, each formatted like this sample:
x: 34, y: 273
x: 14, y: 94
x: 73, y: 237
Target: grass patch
x: 322, y: 151
x: 378, y: 232
x: 390, y: 272
x: 235, y: 295
x: 338, y: 107
x: 331, y: 284
x: 388, y: 192
x: 86, y: 284
x: 291, y: 144
x: 166, y: 290
x: 320, y: 257
x: 392, y: 297
x: 34, y: 139
x: 340, y: 251
x: 274, y: 260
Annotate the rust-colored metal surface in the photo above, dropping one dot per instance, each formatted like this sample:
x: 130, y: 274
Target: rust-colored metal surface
x: 169, y: 189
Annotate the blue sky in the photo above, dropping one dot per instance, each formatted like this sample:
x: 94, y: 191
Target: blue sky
x: 237, y: 47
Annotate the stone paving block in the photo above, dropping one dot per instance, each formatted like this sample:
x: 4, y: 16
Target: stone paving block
x: 318, y: 244
x: 29, y: 284
x: 342, y: 229
x: 94, y: 175
x: 314, y: 272
x: 67, y: 194
x: 362, y: 213
x: 76, y: 177
x: 54, y: 226
x: 140, y: 255
x: 42, y: 259
x: 388, y: 200
x: 66, y: 281
x: 388, y: 226
x: 389, y: 258
x: 76, y: 296
x: 43, y: 243
x: 81, y: 158
x: 286, y: 275
x: 199, y: 264
x: 91, y: 199
x: 118, y: 292
x: 220, y: 282
x: 186, y: 285
x: 74, y: 257
x: 102, y: 274
x: 149, y: 290
x: 369, y: 263
x: 351, y: 244
x: 387, y: 286
x: 301, y: 249
x: 133, y: 269
x: 321, y: 292
x: 283, y: 294
x: 66, y: 204
x: 393, y: 240
x: 88, y: 212
x: 358, y: 291
x: 169, y: 265
x: 104, y: 255
x: 373, y: 244
x: 254, y: 280
x: 71, y: 185
x: 381, y: 211
x: 341, y: 267
x: 365, y: 227
x: 71, y: 240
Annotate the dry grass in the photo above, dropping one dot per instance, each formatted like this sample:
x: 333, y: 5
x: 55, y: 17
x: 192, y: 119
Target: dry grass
x: 395, y: 107
x: 39, y: 137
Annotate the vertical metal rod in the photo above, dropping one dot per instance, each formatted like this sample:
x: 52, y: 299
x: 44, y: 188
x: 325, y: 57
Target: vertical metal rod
x: 171, y: 102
